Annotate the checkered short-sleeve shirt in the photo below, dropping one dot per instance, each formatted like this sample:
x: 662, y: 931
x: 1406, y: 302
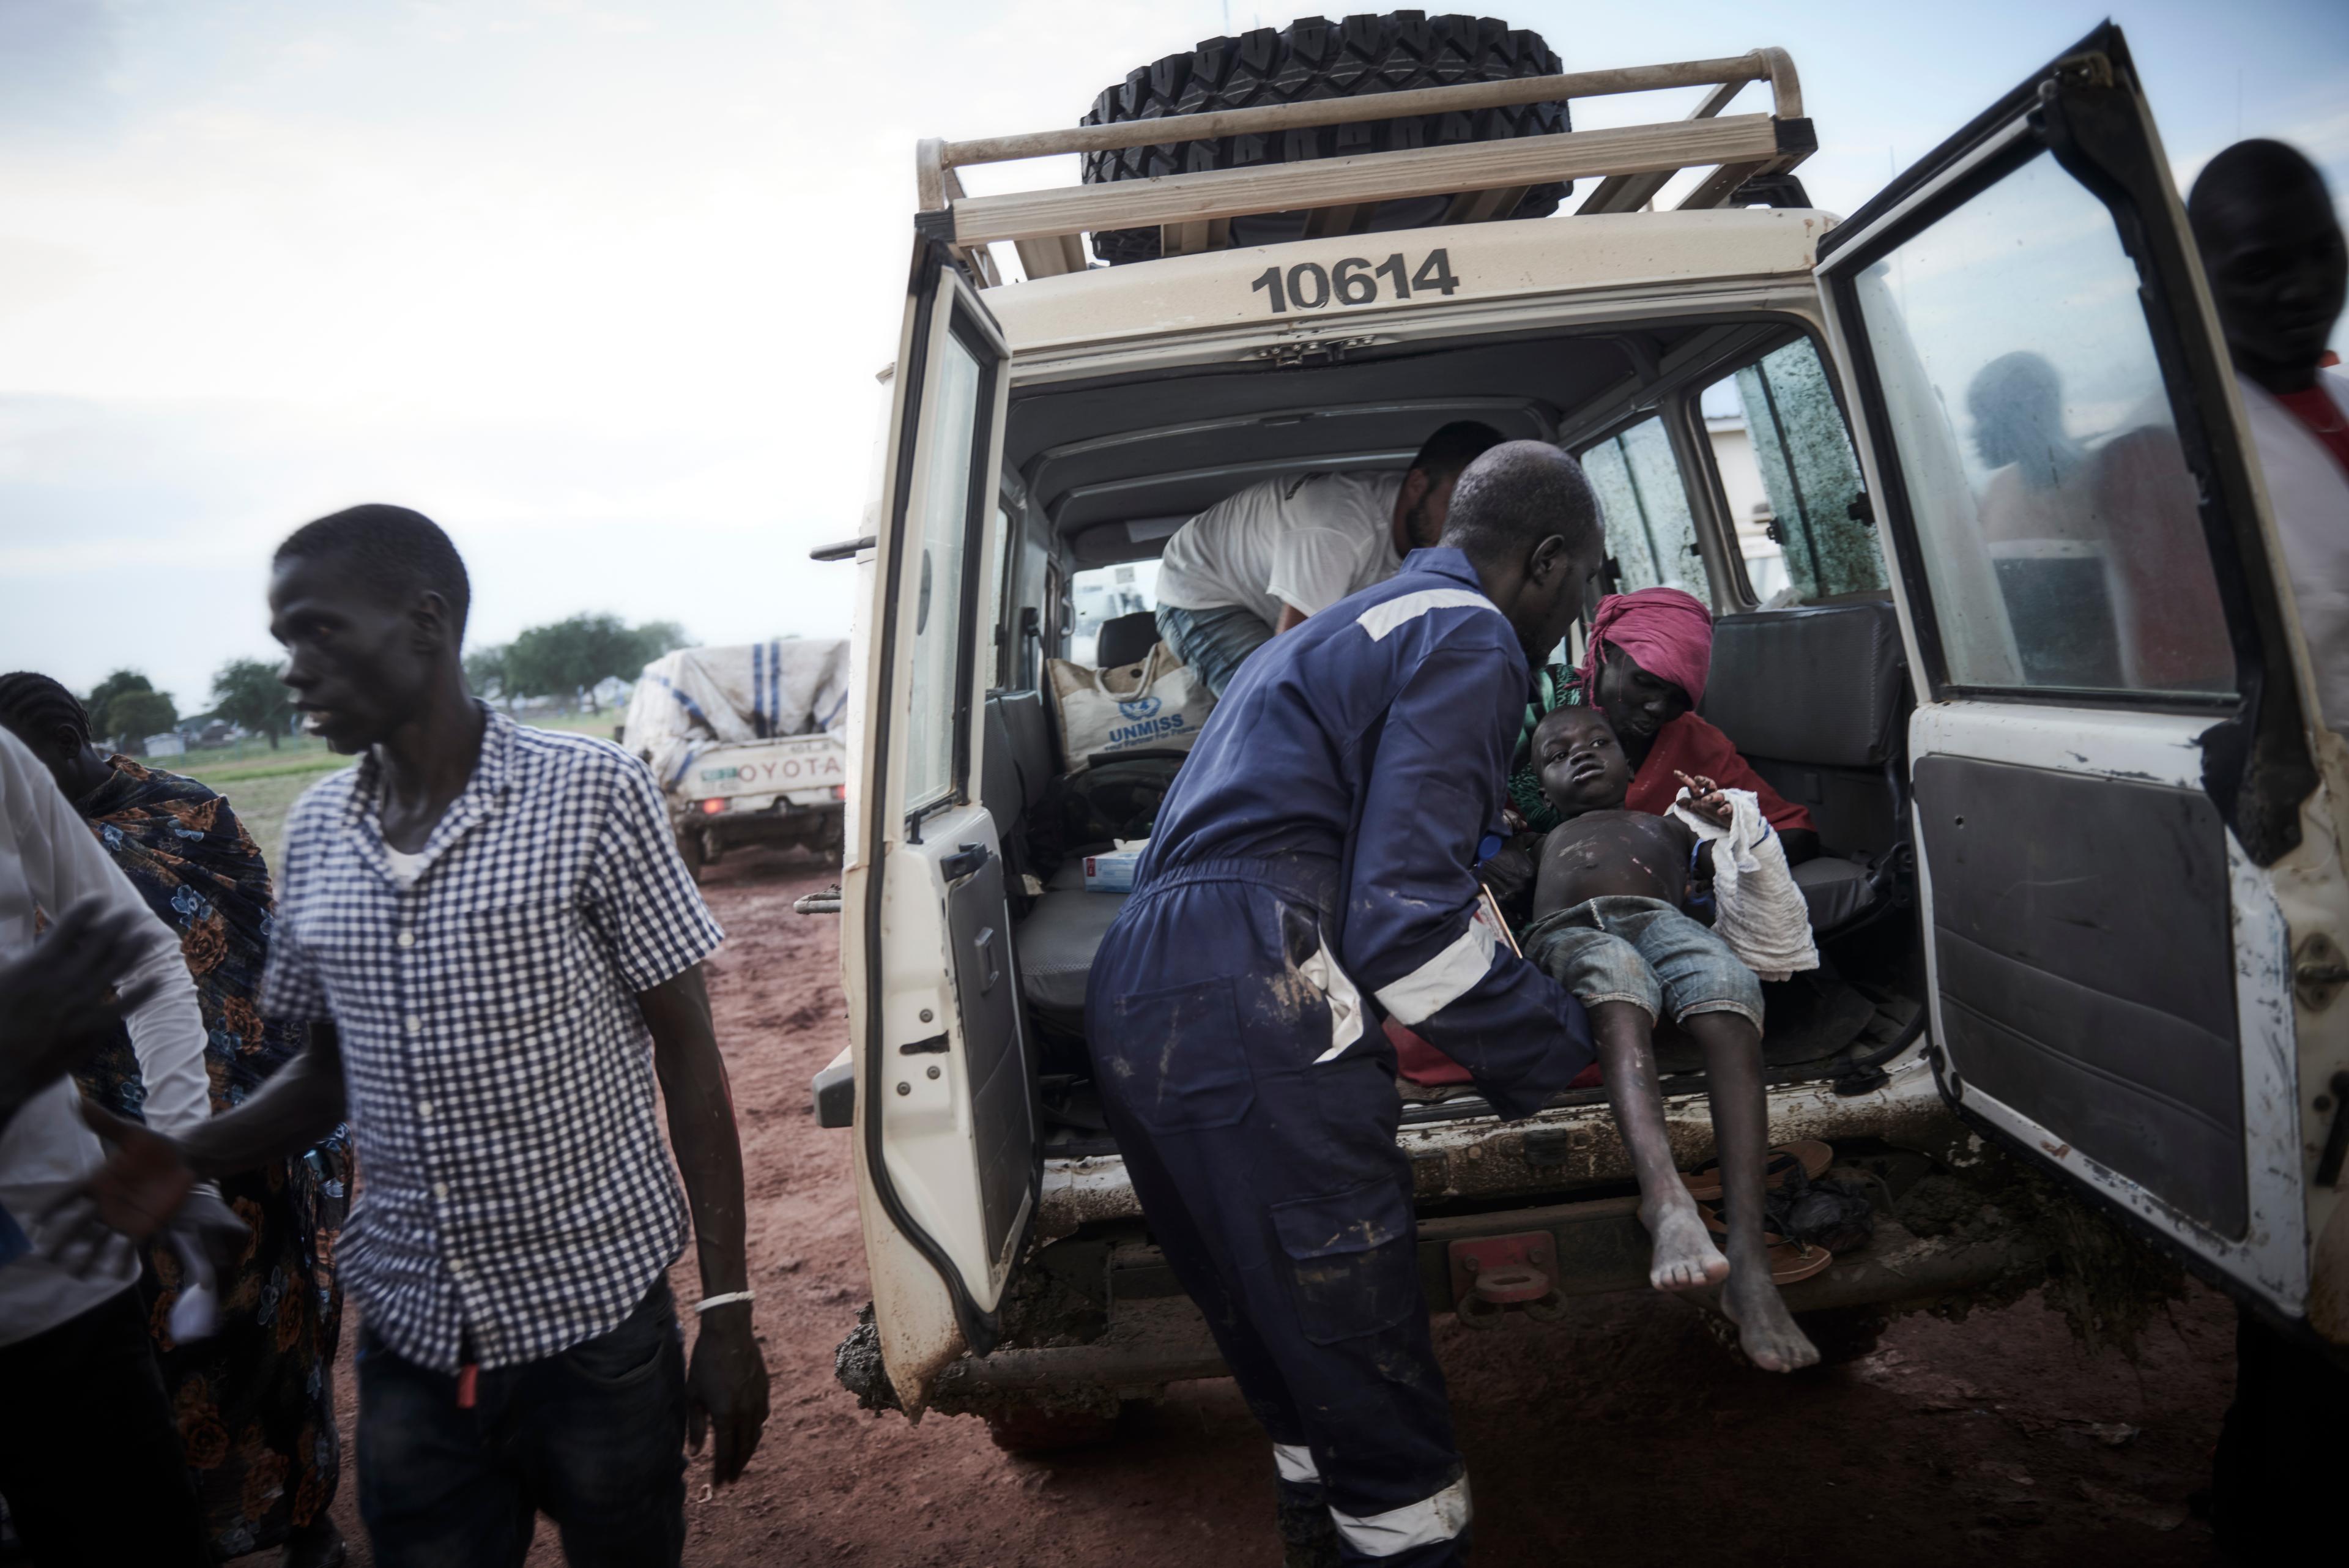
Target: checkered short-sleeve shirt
x: 500, y: 1074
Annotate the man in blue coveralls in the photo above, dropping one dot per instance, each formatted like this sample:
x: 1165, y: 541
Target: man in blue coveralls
x: 1313, y: 866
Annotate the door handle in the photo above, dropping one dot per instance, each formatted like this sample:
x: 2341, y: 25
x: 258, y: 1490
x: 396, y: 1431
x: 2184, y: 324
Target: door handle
x: 964, y: 861
x: 983, y: 945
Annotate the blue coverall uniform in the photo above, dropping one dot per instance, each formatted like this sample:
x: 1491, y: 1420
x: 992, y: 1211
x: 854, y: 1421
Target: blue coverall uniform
x: 1312, y: 868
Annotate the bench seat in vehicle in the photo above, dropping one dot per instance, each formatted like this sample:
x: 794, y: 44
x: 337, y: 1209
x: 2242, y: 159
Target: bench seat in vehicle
x: 1054, y: 940
x: 1815, y: 700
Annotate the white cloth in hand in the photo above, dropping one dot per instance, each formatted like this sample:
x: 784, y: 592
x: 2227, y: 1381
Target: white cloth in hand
x: 1758, y: 910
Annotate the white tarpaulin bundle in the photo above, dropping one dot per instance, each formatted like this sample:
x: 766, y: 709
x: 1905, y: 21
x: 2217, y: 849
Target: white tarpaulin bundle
x: 697, y: 696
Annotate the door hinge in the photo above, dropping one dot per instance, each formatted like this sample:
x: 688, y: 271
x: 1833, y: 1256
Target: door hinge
x: 2318, y: 972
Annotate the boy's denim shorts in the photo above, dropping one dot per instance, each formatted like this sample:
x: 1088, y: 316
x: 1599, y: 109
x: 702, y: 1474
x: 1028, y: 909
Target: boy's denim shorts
x: 1646, y: 952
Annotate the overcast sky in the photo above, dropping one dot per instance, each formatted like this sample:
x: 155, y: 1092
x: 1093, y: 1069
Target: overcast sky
x: 603, y: 287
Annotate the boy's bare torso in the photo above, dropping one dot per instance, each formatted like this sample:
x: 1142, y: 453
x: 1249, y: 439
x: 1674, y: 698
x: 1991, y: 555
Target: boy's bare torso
x: 1606, y: 854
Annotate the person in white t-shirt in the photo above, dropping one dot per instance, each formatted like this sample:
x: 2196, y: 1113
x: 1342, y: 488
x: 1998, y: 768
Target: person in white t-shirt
x: 1257, y: 563
x: 91, y: 1457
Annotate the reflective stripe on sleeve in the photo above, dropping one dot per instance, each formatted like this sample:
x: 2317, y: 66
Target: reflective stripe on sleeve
x: 1442, y: 979
x: 1295, y: 1462
x: 1382, y: 619
x: 1423, y: 1523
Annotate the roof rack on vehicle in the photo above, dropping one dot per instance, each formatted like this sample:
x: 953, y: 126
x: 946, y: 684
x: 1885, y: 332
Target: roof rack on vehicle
x: 1486, y: 179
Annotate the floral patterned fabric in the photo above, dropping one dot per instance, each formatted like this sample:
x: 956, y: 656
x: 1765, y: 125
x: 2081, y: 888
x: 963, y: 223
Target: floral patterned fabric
x: 255, y: 1401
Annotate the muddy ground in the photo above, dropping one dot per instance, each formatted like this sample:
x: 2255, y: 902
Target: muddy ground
x: 1621, y: 1437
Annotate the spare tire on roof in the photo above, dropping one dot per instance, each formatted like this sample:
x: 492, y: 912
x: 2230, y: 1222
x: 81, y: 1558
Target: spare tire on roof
x: 1315, y: 59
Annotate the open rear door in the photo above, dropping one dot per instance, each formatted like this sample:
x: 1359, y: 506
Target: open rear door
x: 2118, y: 819
x: 947, y: 1152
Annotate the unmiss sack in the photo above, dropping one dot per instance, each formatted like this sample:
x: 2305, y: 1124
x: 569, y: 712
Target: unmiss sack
x: 1155, y: 705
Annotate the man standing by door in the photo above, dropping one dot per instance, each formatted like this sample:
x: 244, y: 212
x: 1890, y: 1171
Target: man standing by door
x: 1314, y: 862
x: 501, y: 950
x: 2273, y: 248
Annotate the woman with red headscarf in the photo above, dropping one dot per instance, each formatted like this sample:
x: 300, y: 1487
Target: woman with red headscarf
x: 1645, y: 669
x: 1649, y: 655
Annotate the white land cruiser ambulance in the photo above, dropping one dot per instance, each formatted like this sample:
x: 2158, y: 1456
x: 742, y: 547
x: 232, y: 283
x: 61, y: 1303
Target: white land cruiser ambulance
x: 2035, y: 671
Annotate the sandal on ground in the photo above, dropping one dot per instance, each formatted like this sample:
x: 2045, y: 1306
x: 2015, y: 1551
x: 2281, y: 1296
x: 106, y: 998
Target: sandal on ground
x: 1790, y: 1260
x: 1810, y: 1154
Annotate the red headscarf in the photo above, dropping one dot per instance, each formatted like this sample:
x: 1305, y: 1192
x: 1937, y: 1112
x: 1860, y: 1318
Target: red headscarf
x: 1668, y: 633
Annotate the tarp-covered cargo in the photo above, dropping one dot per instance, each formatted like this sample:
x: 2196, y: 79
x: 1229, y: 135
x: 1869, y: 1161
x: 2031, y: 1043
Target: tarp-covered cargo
x: 698, y: 697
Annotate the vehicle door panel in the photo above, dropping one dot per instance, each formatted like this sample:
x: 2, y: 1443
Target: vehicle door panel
x: 2087, y: 966
x: 947, y: 1149
x: 2110, y: 757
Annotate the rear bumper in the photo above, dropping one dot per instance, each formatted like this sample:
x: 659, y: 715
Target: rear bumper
x: 1156, y: 1336
x: 1481, y: 1157
x: 780, y: 824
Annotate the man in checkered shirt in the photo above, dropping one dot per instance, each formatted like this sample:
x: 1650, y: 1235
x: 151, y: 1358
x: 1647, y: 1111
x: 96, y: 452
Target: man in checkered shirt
x: 503, y: 950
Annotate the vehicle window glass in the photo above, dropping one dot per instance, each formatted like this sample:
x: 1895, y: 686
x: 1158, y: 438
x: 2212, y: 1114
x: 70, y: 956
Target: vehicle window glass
x: 952, y: 416
x: 2057, y: 524
x: 1650, y: 531
x: 1105, y: 593
x: 1792, y: 479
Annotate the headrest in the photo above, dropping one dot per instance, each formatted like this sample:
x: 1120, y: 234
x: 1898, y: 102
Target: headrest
x: 1127, y: 639
x: 1821, y: 685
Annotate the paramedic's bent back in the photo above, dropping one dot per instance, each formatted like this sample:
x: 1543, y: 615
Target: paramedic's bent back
x: 1315, y: 858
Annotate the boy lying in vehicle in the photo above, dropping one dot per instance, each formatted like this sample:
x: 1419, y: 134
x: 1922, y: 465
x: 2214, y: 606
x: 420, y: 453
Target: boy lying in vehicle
x: 1611, y: 923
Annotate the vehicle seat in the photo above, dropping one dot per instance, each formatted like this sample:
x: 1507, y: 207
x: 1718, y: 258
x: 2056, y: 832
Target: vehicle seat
x: 1053, y: 941
x: 1014, y: 771
x: 1056, y: 942
x: 1125, y: 640
x: 1816, y: 700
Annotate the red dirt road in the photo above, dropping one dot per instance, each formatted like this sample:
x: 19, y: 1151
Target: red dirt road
x: 1622, y: 1437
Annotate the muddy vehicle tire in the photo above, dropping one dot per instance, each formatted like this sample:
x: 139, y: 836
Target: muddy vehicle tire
x: 1041, y: 1429
x: 1311, y: 58
x: 689, y: 847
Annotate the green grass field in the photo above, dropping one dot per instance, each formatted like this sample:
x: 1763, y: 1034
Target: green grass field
x: 263, y: 784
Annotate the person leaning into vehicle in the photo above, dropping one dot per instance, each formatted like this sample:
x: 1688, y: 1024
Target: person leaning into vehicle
x: 1313, y: 868
x: 502, y: 950
x: 1255, y: 563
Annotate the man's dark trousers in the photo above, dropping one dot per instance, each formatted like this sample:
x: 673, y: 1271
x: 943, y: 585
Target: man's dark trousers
x: 1272, y: 1182
x: 90, y: 1459
x: 595, y: 1437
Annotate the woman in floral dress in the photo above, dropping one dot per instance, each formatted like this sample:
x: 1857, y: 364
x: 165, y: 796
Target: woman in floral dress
x: 255, y: 1401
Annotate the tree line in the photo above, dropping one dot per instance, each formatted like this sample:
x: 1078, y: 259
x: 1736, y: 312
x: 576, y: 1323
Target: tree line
x: 567, y: 658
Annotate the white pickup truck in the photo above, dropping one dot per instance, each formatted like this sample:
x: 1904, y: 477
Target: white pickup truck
x: 785, y: 791
x: 745, y: 743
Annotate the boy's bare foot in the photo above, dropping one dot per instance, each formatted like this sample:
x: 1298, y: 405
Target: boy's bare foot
x: 1682, y: 1256
x: 1765, y: 1329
